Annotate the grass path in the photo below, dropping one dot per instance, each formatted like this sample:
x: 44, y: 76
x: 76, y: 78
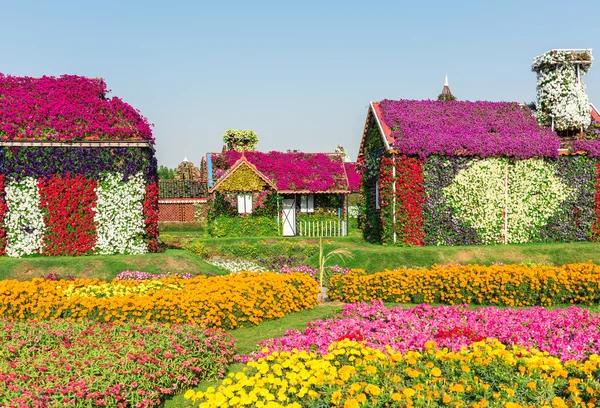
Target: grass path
x: 102, y: 266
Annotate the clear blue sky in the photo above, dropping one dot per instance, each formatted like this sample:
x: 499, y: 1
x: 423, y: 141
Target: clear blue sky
x: 300, y: 74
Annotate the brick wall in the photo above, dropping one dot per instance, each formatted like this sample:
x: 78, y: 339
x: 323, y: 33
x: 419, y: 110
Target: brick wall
x: 182, y: 210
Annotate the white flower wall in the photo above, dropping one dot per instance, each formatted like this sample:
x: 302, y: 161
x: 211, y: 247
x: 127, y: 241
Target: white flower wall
x: 24, y: 221
x: 120, y: 216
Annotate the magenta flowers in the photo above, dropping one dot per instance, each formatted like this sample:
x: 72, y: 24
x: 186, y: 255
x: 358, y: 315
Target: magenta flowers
x: 480, y: 128
x: 66, y: 108
x: 569, y: 334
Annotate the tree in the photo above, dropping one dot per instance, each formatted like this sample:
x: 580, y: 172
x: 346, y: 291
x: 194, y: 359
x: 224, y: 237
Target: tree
x: 240, y: 139
x: 165, y: 173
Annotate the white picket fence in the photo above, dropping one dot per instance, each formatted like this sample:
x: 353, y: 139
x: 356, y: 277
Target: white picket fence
x: 337, y: 228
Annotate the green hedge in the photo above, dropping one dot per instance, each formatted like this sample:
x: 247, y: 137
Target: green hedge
x: 244, y: 226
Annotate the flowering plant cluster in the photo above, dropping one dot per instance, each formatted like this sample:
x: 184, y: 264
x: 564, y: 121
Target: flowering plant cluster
x: 483, y: 129
x: 569, y: 334
x: 120, y: 216
x: 353, y: 174
x: 509, y: 285
x: 186, y: 170
x: 66, y: 108
x: 406, y: 207
x: 350, y: 375
x: 151, y: 217
x: 315, y: 172
x: 561, y: 97
x: 3, y: 210
x: 71, y: 364
x: 228, y: 301
x: 138, y: 275
x: 240, y: 139
x: 67, y: 205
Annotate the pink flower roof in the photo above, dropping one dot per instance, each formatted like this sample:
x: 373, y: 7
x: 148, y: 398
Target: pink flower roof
x: 467, y: 128
x: 353, y: 177
x: 291, y: 172
x: 66, y: 108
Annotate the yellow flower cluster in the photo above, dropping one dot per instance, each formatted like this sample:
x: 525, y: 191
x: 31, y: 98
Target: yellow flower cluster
x: 350, y: 375
x: 510, y: 285
x: 230, y: 301
x: 118, y: 288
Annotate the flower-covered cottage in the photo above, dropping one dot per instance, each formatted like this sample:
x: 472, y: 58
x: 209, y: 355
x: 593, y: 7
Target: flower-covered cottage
x: 276, y: 193
x: 459, y: 172
x: 77, y: 170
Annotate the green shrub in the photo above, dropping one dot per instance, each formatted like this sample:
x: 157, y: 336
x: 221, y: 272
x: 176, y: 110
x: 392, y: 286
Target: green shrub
x: 244, y: 226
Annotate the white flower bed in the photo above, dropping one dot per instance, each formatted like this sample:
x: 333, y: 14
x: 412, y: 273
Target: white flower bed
x: 24, y: 221
x: 236, y: 265
x: 120, y: 215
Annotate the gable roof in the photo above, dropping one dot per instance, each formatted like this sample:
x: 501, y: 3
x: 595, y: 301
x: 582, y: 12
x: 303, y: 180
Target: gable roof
x: 480, y: 128
x: 595, y: 113
x: 242, y: 161
x: 66, y: 108
x: 291, y: 172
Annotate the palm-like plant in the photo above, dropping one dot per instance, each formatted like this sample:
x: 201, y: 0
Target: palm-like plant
x: 343, y: 254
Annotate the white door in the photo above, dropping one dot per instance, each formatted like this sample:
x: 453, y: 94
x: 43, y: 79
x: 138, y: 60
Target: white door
x: 289, y: 217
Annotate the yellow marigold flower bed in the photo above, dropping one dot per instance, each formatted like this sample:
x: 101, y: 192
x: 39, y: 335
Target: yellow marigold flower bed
x: 486, y: 374
x: 229, y: 301
x: 509, y: 285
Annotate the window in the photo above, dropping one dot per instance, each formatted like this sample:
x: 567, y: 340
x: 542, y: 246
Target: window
x: 307, y: 203
x: 377, y: 204
x: 244, y: 202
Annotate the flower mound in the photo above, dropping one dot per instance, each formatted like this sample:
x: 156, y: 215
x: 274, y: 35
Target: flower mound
x: 81, y: 364
x: 66, y: 108
x: 568, y: 334
x: 482, y: 129
x: 351, y: 374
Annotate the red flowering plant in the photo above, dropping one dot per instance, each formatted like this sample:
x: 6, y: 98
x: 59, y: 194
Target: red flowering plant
x: 69, y: 107
x: 68, y: 206
x: 458, y: 332
x: 405, y: 217
x: 151, y: 216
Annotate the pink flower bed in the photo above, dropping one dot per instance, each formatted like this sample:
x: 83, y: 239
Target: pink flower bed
x: 566, y: 333
x: 470, y: 128
x: 138, y: 275
x: 66, y: 108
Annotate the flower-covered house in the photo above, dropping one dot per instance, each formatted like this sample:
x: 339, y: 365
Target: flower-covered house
x: 459, y: 172
x: 77, y: 170
x: 277, y: 193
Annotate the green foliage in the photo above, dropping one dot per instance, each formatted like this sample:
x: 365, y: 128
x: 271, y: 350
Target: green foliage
x: 199, y: 249
x: 220, y: 206
x: 165, y: 173
x: 446, y: 97
x: 244, y: 226
x: 371, y: 217
x: 240, y: 139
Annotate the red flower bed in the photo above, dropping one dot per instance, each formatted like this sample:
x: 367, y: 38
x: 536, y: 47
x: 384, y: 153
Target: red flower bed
x: 151, y: 216
x: 3, y: 210
x: 68, y: 205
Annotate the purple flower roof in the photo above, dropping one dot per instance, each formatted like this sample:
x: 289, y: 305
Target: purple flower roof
x: 291, y: 172
x: 66, y: 108
x: 480, y: 128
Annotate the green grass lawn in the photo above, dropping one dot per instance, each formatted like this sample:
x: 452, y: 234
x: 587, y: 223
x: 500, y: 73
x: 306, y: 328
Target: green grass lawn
x: 102, y: 266
x: 247, y: 339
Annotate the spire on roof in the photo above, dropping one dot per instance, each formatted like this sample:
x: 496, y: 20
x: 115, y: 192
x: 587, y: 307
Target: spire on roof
x: 446, y: 94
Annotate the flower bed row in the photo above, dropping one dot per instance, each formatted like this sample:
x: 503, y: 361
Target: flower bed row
x: 509, y: 285
x: 68, y: 364
x: 351, y: 374
x: 222, y: 301
x: 569, y: 334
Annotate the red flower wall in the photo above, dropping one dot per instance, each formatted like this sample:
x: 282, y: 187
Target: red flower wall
x: 151, y: 216
x: 68, y: 206
x: 3, y: 210
x: 410, y: 197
